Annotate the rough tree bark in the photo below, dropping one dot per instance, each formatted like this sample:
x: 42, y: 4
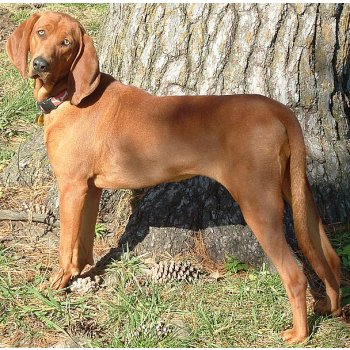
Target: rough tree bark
x: 296, y: 54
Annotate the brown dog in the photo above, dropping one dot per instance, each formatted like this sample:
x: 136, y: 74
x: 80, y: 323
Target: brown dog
x: 100, y: 133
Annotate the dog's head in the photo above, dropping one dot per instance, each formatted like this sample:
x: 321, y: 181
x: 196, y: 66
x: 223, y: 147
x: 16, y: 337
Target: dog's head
x: 59, y: 49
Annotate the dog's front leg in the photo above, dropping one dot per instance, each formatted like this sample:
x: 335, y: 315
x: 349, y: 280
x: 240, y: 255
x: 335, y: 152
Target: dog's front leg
x: 78, y: 213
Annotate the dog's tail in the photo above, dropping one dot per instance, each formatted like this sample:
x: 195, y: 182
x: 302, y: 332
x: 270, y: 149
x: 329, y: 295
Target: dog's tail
x: 298, y: 186
x: 309, y: 230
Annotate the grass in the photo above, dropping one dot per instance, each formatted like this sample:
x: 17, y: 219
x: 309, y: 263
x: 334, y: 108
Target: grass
x: 248, y: 309
x: 17, y: 110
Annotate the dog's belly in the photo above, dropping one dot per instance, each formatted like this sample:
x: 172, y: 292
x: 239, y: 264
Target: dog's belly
x: 113, y: 181
x: 143, y: 168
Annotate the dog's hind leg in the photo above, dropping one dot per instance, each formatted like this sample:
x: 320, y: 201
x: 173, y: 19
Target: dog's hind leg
x: 319, y: 252
x: 264, y: 215
x: 257, y: 187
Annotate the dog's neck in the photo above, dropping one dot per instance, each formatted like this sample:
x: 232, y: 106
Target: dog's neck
x: 43, y: 91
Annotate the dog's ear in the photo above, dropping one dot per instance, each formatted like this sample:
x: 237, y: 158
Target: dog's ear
x: 17, y: 45
x: 84, y: 76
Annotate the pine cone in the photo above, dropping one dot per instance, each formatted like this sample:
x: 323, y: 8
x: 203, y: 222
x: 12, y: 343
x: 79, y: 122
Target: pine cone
x: 162, y: 329
x: 85, y: 285
x: 346, y: 313
x: 141, y: 331
x: 87, y: 327
x: 166, y: 271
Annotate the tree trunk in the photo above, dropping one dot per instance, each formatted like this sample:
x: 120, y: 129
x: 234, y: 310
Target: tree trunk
x: 296, y: 54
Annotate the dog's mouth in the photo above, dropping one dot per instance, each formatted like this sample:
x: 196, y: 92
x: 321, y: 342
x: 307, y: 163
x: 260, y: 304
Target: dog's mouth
x: 33, y: 74
x: 44, y: 76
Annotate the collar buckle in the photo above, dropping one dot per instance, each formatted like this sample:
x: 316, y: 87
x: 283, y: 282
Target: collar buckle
x: 52, y: 103
x: 40, y: 119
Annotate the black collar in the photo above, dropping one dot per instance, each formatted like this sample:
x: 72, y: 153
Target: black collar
x: 52, y: 103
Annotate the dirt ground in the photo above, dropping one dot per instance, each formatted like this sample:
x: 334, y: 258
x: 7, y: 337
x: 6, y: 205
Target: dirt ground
x: 6, y: 27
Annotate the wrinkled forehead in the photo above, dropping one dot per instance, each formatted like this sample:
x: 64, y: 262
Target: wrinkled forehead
x: 59, y: 24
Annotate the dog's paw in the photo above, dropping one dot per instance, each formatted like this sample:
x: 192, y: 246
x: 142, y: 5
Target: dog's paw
x: 291, y: 336
x: 59, y: 280
x: 323, y: 307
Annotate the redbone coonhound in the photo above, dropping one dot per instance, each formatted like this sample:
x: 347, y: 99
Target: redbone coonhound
x: 100, y: 133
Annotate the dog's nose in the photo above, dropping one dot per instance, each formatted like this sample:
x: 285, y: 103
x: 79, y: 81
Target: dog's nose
x: 40, y: 64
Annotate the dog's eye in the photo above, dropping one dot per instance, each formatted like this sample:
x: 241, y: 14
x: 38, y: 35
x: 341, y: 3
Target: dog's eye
x: 65, y: 42
x: 41, y: 32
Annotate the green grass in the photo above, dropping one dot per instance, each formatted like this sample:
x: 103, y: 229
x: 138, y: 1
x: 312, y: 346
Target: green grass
x: 233, y: 265
x: 18, y: 106
x: 245, y: 310
x: 344, y: 253
x: 100, y: 230
x: 17, y: 109
x: 341, y: 243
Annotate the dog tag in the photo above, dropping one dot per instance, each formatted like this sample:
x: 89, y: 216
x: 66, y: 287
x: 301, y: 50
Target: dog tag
x: 40, y: 119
